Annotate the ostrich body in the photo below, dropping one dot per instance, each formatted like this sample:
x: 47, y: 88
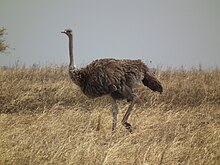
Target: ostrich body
x: 113, y: 77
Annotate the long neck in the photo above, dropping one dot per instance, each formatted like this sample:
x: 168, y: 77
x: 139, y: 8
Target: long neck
x: 71, y: 64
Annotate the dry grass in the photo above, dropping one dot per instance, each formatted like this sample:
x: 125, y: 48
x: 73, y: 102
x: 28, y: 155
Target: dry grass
x: 45, y: 119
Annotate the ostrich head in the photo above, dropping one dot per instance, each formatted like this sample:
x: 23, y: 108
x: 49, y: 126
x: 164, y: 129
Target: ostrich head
x: 69, y: 33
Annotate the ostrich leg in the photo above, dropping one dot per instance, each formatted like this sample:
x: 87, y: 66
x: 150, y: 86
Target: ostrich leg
x: 133, y: 98
x: 115, y: 114
x: 127, y: 114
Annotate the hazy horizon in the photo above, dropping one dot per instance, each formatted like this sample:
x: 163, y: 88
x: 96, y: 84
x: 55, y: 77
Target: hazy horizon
x: 168, y: 33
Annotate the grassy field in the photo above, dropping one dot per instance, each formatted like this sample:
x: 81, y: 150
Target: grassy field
x: 45, y: 119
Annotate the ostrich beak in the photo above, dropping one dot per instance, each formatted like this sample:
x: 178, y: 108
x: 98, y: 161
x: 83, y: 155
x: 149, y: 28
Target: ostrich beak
x: 62, y: 32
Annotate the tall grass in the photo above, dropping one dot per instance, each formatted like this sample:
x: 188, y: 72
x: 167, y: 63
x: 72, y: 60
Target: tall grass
x: 45, y: 119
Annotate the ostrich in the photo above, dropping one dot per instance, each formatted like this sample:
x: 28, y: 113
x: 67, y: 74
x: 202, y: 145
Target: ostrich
x: 112, y: 77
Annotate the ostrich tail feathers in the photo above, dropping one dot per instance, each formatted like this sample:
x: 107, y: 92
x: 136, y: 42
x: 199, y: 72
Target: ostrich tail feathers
x: 151, y: 82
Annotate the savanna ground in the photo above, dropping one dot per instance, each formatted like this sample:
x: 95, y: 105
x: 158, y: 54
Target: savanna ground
x: 45, y: 119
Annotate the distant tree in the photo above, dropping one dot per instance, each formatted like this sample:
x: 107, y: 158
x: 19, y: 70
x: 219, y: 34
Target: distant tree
x: 3, y: 44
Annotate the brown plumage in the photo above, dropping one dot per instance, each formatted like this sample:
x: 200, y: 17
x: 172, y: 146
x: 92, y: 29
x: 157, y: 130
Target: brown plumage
x: 113, y: 77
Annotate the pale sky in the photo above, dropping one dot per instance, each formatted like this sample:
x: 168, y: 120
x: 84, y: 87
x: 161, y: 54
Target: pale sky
x: 169, y: 33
